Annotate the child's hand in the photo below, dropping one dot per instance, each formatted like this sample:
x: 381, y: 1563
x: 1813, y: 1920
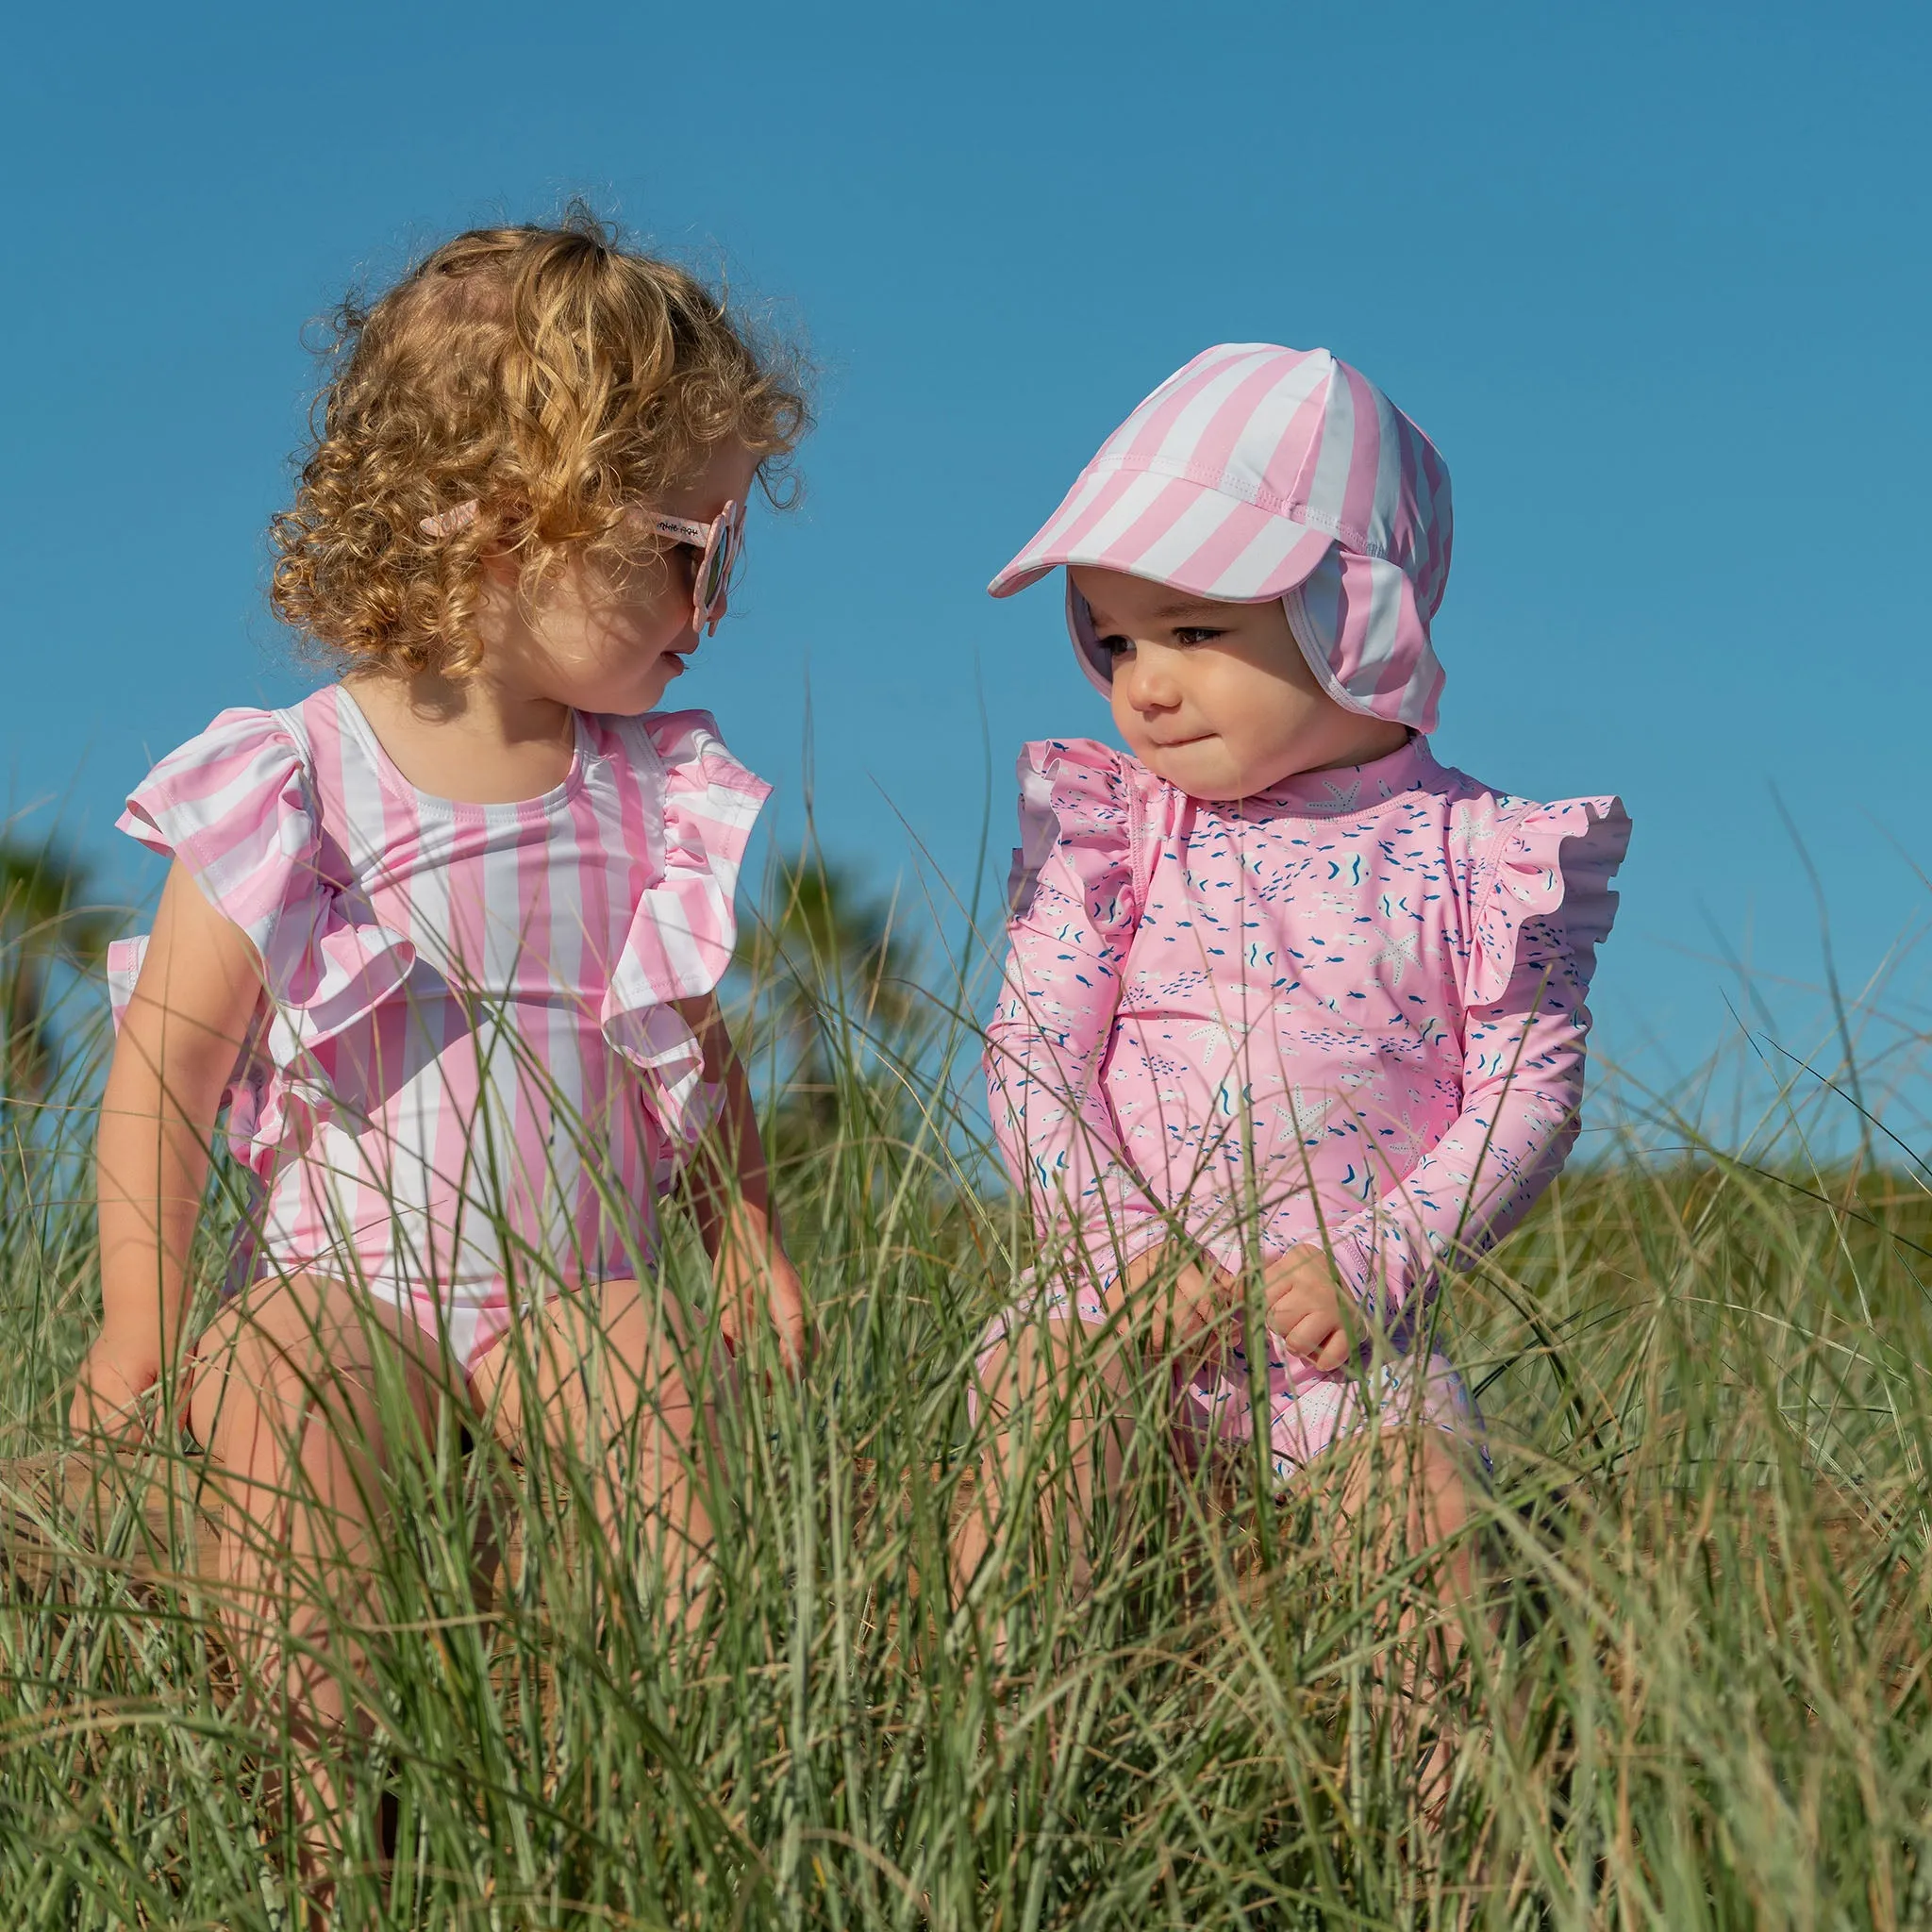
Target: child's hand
x: 1200, y: 1299
x: 1303, y: 1303
x: 108, y: 1392
x: 754, y: 1271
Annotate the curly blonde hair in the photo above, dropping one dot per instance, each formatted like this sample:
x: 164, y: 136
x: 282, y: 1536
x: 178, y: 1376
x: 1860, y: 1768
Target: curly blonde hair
x: 546, y: 373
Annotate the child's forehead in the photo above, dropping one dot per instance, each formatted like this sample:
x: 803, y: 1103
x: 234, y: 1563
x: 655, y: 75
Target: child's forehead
x: 1106, y: 589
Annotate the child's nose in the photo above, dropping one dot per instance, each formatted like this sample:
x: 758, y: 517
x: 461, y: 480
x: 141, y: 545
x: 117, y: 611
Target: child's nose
x: 1151, y: 685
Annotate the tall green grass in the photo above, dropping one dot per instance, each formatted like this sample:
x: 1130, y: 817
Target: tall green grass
x: 1703, y: 1699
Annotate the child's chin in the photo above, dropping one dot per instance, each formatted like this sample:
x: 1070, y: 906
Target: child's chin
x: 648, y: 693
x: 1206, y: 777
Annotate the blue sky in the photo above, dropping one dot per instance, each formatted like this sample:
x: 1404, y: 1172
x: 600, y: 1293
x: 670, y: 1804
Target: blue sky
x: 1653, y: 277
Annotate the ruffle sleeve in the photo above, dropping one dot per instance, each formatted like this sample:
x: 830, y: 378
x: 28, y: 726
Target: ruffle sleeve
x: 1074, y: 797
x: 701, y: 806
x: 235, y: 808
x: 1547, y: 862
x: 1075, y: 895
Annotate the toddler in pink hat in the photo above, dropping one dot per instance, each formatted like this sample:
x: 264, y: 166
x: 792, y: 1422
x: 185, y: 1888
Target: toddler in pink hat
x: 1293, y: 1021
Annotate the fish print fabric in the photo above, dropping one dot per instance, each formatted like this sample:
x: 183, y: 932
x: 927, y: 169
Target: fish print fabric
x: 1350, y: 1012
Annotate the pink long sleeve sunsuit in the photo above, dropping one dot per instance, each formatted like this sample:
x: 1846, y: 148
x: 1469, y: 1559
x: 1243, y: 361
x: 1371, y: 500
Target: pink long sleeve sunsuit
x: 1349, y: 1011
x: 468, y: 1083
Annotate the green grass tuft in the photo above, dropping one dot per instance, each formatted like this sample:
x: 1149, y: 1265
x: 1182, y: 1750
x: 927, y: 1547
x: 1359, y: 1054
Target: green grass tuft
x: 1708, y: 1392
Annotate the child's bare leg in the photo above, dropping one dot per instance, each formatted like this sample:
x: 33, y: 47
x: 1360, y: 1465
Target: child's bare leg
x: 1405, y: 1497
x: 604, y: 1370
x: 286, y: 1397
x: 1052, y: 1378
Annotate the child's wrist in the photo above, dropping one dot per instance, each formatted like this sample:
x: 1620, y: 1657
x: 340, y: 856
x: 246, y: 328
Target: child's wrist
x: 136, y: 1339
x: 160, y: 1345
x: 116, y: 1378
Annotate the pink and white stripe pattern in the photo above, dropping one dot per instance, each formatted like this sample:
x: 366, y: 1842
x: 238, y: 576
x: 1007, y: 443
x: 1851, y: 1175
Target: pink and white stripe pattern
x: 1258, y: 472
x: 469, y: 1083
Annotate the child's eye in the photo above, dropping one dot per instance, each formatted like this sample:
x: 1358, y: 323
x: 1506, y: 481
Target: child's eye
x: 1196, y: 634
x: 1115, y: 645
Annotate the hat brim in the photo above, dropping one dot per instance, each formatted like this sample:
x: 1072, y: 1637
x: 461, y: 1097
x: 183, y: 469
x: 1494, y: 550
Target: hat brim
x: 1171, y: 531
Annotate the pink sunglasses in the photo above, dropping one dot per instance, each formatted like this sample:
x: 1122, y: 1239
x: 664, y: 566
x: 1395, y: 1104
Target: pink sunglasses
x: 720, y: 543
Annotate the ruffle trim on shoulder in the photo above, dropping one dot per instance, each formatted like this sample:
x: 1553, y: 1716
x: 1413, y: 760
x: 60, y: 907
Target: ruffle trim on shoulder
x: 234, y: 806
x: 1075, y: 795
x: 685, y: 930
x: 1553, y: 862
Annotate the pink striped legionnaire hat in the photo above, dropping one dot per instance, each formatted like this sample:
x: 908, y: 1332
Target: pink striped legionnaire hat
x: 1258, y: 472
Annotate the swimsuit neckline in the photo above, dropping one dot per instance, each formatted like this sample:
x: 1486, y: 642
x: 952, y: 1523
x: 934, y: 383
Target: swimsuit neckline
x: 355, y: 721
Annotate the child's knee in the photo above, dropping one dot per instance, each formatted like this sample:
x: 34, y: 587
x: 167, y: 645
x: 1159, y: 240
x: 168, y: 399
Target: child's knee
x: 1035, y: 1365
x: 609, y: 1384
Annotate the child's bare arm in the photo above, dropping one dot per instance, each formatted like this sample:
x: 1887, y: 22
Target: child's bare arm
x: 730, y: 1195
x: 191, y: 1011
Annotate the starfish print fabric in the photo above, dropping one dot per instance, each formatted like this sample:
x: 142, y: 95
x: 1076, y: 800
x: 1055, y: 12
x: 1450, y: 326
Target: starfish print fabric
x: 1349, y: 1011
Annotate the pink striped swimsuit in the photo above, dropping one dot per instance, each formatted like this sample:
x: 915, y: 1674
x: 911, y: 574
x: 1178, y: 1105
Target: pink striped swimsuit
x: 468, y: 1083
x: 1349, y: 1011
